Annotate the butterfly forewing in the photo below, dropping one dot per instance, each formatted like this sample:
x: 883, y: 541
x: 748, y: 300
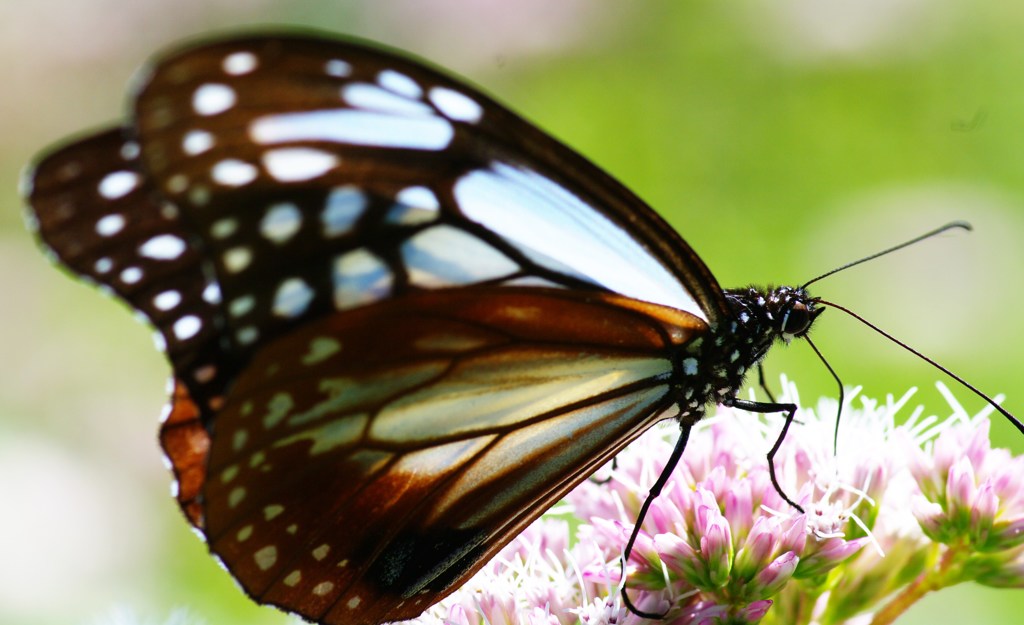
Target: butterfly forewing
x: 362, y: 152
x: 96, y: 211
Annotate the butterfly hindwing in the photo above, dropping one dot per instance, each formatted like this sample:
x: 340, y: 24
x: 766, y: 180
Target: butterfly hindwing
x: 424, y: 433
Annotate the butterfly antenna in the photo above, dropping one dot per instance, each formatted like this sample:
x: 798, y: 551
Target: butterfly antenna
x: 950, y: 226
x: 842, y: 393
x: 1012, y: 419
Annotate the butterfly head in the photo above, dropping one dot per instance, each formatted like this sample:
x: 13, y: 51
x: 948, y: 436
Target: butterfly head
x: 791, y: 311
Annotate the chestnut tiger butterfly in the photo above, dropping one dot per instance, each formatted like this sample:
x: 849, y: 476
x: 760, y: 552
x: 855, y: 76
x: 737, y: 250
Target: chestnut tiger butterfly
x: 402, y: 321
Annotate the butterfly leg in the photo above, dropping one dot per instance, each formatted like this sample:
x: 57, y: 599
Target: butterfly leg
x: 659, y: 484
x: 766, y: 408
x: 764, y: 385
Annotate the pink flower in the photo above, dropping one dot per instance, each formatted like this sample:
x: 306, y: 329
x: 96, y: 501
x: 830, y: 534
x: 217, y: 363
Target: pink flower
x: 721, y: 547
x: 972, y: 499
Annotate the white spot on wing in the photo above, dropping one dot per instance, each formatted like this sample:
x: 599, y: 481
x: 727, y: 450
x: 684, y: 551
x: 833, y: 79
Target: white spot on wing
x: 213, y: 98
x: 281, y: 222
x: 323, y: 588
x: 265, y: 557
x: 167, y: 300
x: 297, y: 164
x: 292, y: 298
x: 446, y: 256
x: 337, y: 67
x: 163, y: 247
x: 247, y: 335
x: 130, y: 150
x: 118, y: 184
x: 360, y: 278
x: 232, y: 172
x: 211, y: 293
x: 237, y: 258
x: 196, y: 142
x: 223, y: 228
x: 131, y: 275
x: 239, y: 63
x: 103, y: 265
x: 399, y: 83
x: 187, y: 327
x: 455, y: 105
x: 355, y: 127
x: 109, y: 225
x: 372, y: 98
x: 557, y: 229
x: 241, y: 306
x: 344, y: 206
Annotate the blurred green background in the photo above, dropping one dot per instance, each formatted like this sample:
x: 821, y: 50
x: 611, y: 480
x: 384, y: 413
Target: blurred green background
x: 781, y: 138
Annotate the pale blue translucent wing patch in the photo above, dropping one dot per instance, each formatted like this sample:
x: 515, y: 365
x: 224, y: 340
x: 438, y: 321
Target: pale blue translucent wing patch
x: 359, y: 278
x: 448, y: 256
x: 555, y: 228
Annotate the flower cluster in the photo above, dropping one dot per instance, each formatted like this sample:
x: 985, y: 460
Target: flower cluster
x: 972, y: 501
x: 895, y: 512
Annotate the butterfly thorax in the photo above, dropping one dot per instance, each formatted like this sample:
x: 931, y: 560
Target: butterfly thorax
x: 714, y: 366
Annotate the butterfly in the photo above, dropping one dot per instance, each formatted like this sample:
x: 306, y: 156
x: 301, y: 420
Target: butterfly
x: 402, y: 321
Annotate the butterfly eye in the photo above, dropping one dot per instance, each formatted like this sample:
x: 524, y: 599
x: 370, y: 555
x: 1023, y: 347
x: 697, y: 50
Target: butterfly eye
x: 797, y: 319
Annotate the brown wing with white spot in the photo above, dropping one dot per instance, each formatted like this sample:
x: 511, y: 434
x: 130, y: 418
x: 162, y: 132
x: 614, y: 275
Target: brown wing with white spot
x: 322, y: 175
x: 97, y: 213
x: 369, y: 463
x: 287, y: 178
